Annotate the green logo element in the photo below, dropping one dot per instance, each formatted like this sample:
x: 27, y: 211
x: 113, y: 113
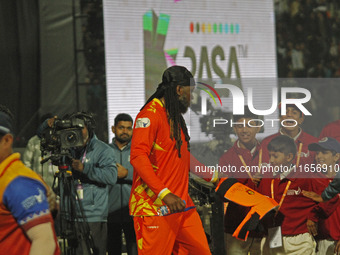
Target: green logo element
x: 155, y: 57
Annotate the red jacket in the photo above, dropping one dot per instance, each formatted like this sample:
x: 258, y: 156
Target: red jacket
x: 331, y: 130
x: 306, y: 156
x: 236, y: 213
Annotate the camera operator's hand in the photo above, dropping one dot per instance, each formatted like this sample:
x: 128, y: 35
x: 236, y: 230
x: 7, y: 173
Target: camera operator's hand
x: 50, y: 121
x: 77, y: 165
x: 122, y: 171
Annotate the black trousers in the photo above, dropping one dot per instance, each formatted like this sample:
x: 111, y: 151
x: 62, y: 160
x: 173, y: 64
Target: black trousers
x: 114, y: 238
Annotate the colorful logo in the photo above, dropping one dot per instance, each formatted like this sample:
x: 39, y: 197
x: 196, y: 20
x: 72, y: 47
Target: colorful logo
x: 143, y: 123
x: 216, y: 28
x: 209, y: 93
x: 250, y: 192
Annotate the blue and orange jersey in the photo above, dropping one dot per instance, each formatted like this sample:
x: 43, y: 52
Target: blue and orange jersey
x: 23, y: 205
x: 156, y: 163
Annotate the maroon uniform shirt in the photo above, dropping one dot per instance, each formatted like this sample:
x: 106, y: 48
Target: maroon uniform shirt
x: 236, y: 213
x: 295, y: 209
x: 327, y: 227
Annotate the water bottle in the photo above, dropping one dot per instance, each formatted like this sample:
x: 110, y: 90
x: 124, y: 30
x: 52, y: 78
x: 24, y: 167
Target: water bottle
x: 80, y: 190
x: 164, y: 210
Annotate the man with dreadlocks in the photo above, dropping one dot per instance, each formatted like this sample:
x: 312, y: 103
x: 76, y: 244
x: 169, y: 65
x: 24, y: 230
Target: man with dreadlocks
x: 161, y: 160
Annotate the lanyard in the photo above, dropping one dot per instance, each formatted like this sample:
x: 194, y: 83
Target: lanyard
x: 245, y: 165
x: 84, y: 157
x: 283, y: 195
x: 299, y: 155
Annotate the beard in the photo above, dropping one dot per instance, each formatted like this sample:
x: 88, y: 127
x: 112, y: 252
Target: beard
x: 123, y: 139
x: 183, y: 104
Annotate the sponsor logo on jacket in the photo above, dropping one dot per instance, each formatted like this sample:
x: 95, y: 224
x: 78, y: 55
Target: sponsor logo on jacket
x: 293, y: 192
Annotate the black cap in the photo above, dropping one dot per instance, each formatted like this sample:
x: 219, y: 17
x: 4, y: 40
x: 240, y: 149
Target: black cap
x: 326, y: 143
x: 6, y: 125
x: 178, y: 75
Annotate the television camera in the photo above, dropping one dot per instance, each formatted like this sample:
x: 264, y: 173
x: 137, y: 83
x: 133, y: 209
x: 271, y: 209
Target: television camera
x: 56, y: 141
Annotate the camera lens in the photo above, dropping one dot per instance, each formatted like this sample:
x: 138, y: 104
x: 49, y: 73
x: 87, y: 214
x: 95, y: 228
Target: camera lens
x: 71, y: 138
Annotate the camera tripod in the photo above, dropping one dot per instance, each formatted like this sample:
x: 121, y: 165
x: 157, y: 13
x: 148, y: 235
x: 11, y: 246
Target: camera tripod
x: 73, y: 225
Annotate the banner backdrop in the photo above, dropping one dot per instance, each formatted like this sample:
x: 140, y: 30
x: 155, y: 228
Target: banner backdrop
x: 223, y: 41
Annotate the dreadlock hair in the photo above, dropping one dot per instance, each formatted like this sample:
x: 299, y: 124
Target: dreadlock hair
x: 173, y: 76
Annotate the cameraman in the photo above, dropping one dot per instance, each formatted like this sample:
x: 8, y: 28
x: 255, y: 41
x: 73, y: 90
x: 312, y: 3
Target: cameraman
x: 32, y: 157
x: 94, y: 168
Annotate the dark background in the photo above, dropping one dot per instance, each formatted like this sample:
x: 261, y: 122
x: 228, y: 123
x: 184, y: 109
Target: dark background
x: 308, y: 44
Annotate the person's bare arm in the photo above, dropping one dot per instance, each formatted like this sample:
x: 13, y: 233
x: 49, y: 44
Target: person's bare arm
x: 337, y: 248
x: 42, y: 238
x: 312, y: 195
x: 312, y: 227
